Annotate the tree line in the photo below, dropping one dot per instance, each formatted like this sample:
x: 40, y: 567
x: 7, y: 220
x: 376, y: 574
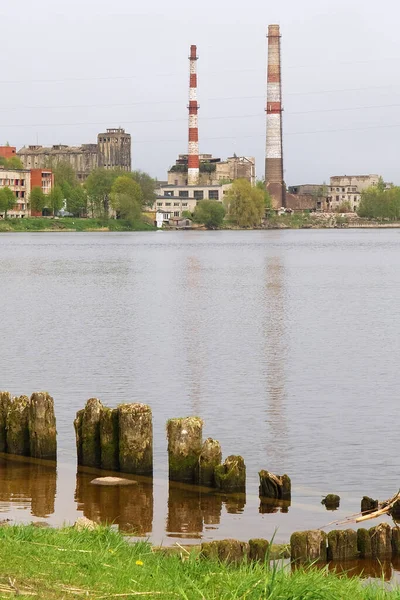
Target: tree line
x: 380, y: 203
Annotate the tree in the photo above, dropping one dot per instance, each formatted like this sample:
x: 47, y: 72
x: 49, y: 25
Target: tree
x: 7, y: 200
x: 55, y: 199
x: 76, y: 200
x: 37, y: 199
x: 380, y: 203
x: 260, y: 184
x: 246, y: 204
x: 14, y: 162
x: 127, y: 198
x: 148, y: 186
x: 209, y: 212
x: 64, y: 174
x: 98, y: 186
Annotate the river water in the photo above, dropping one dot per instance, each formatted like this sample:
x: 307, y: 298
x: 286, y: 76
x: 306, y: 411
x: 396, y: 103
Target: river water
x: 286, y: 343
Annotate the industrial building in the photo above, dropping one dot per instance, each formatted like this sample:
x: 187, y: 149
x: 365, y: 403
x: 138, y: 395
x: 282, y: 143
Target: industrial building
x: 346, y: 189
x: 214, y: 171
x: 112, y: 150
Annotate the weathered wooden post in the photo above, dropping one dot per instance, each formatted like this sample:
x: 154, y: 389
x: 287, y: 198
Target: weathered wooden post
x: 381, y: 541
x: 87, y: 428
x: 308, y: 546
x: 342, y: 545
x: 229, y: 551
x: 231, y: 475
x: 210, y: 457
x: 109, y: 438
x: 277, y: 487
x: 5, y: 403
x: 364, y: 543
x: 259, y: 550
x: 135, y: 439
x: 18, y: 426
x: 184, y: 447
x: 42, y: 427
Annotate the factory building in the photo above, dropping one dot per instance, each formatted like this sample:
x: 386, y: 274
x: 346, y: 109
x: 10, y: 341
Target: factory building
x: 214, y: 171
x: 112, y: 150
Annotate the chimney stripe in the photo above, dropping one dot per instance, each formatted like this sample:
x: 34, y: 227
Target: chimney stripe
x: 193, y: 154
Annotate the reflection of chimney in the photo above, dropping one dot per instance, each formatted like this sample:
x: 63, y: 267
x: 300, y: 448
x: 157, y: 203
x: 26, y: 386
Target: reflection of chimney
x: 274, y: 153
x: 193, y: 159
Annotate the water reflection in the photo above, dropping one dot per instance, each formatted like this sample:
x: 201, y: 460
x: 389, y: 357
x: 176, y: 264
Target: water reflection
x: 28, y: 482
x: 276, y: 358
x: 192, y: 509
x: 364, y: 568
x: 271, y: 506
x: 130, y: 507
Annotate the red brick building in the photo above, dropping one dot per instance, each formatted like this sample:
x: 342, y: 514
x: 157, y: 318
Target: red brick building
x: 44, y: 179
x: 8, y: 151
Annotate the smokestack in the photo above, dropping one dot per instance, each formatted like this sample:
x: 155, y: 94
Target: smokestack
x: 193, y: 161
x: 274, y: 152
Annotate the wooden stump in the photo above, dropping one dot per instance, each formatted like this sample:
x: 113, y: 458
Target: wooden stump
x: 308, y: 546
x: 274, y: 486
x: 135, y: 439
x: 5, y: 403
x: 90, y: 433
x: 210, y: 457
x: 342, y: 545
x: 381, y: 541
x: 18, y: 426
x: 184, y: 447
x: 42, y: 427
x: 109, y: 438
x: 231, y: 475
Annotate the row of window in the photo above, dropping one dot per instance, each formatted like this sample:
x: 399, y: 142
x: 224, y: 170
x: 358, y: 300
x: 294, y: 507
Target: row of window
x: 197, y: 194
x: 170, y: 203
x: 353, y: 189
x: 8, y: 182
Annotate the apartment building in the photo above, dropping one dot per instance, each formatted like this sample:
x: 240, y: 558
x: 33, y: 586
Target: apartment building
x: 174, y: 200
x: 19, y: 181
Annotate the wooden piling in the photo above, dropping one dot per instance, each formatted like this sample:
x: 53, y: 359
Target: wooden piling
x: 135, y: 439
x: 184, y: 447
x: 42, y: 427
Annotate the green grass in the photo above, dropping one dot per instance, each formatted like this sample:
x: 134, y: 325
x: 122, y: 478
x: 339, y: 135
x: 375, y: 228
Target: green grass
x: 293, y: 221
x: 65, y: 563
x: 71, y: 224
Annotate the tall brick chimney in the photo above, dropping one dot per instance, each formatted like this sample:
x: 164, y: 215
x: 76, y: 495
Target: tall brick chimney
x: 193, y: 159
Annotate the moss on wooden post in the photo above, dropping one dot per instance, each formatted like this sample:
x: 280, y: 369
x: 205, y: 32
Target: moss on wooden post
x: 135, y: 439
x: 342, y: 545
x: 90, y: 433
x: 259, y: 550
x: 18, y: 426
x: 368, y: 504
x: 308, y: 546
x: 231, y: 475
x: 210, y: 457
x: 364, y: 543
x: 5, y: 402
x: 109, y: 438
x: 184, y: 447
x: 78, y: 434
x: 395, y: 541
x: 273, y: 486
x: 381, y: 541
x: 42, y: 427
x: 228, y: 551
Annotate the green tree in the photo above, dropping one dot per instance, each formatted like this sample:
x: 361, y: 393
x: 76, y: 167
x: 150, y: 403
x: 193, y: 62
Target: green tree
x: 64, y: 174
x: 127, y: 198
x: 98, y: 186
x: 209, y: 212
x: 14, y: 162
x: 37, y: 199
x: 76, y: 199
x: 147, y: 185
x: 7, y: 200
x: 260, y: 184
x: 380, y: 203
x: 245, y: 204
x: 55, y: 199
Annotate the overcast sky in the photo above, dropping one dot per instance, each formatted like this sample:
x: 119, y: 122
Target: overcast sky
x: 71, y: 68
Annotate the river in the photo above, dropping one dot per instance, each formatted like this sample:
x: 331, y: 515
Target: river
x: 286, y: 343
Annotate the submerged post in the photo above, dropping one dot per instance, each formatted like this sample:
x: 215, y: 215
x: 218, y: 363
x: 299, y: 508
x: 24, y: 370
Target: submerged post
x: 5, y: 402
x: 18, y: 426
x: 210, y: 457
x: 135, y: 439
x: 231, y: 475
x: 89, y: 424
x: 184, y: 447
x: 42, y: 427
x: 277, y: 487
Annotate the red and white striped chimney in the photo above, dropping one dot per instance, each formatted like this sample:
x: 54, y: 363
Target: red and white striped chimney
x: 274, y: 151
x: 193, y: 159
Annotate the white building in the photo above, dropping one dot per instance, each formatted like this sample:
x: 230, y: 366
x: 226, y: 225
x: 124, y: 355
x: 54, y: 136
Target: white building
x: 175, y: 200
x: 19, y: 182
x: 348, y: 188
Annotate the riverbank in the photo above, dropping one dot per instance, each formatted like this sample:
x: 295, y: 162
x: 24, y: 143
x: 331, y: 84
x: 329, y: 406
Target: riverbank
x: 70, y: 224
x: 73, y: 563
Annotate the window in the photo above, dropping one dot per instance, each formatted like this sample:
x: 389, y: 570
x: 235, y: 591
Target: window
x: 176, y: 203
x: 22, y: 194
x: 355, y: 198
x: 343, y: 189
x: 213, y: 195
x: 184, y: 194
x: 354, y: 189
x: 22, y: 181
x: 175, y: 182
x: 177, y: 213
x: 337, y: 198
x: 184, y: 203
x: 338, y: 189
x: 159, y: 203
x: 198, y: 194
x: 168, y: 193
x: 168, y: 204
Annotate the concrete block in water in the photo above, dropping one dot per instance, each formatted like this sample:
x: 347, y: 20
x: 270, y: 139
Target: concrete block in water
x: 78, y: 434
x: 109, y: 438
x: 90, y: 433
x: 364, y: 543
x: 230, y: 551
x: 342, y: 545
x: 18, y: 426
x: 381, y: 541
x: 231, y: 475
x: 259, y: 550
x: 210, y: 457
x: 308, y: 546
x: 135, y: 439
x: 184, y: 447
x: 42, y: 427
x: 5, y: 402
x: 274, y: 486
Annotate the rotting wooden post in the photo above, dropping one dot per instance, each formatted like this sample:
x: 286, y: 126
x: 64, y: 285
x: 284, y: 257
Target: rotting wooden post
x: 273, y: 486
x: 308, y: 546
x: 135, y: 439
x: 78, y: 434
x: 184, y: 447
x: 18, y: 426
x: 229, y: 551
x: 381, y: 540
x: 90, y: 433
x: 5, y: 403
x: 109, y: 438
x: 42, y: 427
x: 364, y: 543
x: 231, y: 475
x: 342, y: 545
x: 210, y: 457
x: 259, y: 550
x: 395, y: 541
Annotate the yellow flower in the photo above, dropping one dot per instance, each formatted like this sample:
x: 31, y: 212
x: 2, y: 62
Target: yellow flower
x: 111, y: 551
x: 139, y: 562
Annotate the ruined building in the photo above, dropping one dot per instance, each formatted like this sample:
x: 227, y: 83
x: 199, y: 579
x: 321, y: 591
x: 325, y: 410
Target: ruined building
x: 113, y: 150
x: 213, y: 171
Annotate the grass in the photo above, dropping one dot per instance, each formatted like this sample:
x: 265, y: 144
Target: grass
x: 100, y: 564
x: 71, y: 224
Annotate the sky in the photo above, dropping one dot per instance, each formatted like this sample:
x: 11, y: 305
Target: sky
x: 72, y: 68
